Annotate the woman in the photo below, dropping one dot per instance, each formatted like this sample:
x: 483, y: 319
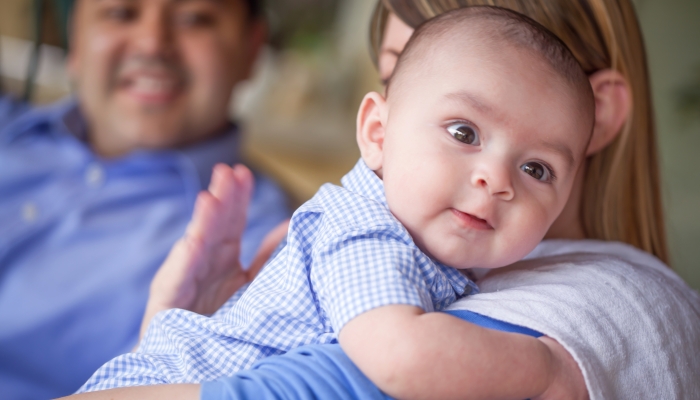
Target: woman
x: 616, y: 199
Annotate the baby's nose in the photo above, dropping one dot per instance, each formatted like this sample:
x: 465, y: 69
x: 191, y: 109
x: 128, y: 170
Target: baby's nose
x: 496, y: 181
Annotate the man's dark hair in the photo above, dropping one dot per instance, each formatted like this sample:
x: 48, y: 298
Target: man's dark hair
x: 255, y: 8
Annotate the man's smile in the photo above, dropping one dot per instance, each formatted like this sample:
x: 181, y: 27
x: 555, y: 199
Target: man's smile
x: 151, y: 89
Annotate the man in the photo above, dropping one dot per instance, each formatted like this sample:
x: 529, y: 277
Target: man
x: 95, y: 190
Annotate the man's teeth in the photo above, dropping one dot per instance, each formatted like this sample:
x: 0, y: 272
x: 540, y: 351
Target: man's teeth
x: 153, y: 86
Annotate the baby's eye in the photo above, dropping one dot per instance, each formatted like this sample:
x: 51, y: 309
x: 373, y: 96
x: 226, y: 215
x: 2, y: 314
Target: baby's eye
x: 538, y: 171
x: 464, y: 133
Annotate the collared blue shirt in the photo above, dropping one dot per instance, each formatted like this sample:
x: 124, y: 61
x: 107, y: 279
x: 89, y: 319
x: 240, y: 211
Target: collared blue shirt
x: 81, y: 238
x: 345, y: 255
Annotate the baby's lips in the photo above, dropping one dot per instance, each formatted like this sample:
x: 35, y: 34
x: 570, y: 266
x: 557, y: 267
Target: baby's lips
x: 472, y: 220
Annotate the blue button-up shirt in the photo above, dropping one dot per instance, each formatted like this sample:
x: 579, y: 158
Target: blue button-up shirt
x: 346, y: 254
x: 81, y: 238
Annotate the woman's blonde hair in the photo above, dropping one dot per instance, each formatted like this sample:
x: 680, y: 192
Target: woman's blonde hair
x: 622, y: 197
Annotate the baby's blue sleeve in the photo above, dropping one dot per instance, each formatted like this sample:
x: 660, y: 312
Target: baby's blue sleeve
x: 319, y: 372
x: 308, y: 372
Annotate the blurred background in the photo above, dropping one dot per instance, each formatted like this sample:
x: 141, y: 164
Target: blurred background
x: 299, y: 109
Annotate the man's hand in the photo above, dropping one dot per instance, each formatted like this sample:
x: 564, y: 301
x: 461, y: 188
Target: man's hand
x: 203, y: 268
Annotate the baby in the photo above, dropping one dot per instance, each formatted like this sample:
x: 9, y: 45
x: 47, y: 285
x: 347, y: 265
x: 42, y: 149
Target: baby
x: 466, y: 162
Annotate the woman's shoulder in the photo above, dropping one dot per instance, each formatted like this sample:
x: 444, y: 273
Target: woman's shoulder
x: 623, y: 251
x: 597, y: 272
x: 620, y: 312
x: 596, y: 259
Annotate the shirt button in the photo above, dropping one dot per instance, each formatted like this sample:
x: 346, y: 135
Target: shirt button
x: 94, y: 175
x: 467, y: 290
x: 29, y: 212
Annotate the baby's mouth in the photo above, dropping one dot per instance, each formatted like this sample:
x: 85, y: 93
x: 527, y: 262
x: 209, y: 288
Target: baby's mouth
x: 472, y: 221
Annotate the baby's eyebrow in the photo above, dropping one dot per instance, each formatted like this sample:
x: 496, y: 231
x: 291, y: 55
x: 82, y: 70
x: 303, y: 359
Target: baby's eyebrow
x: 561, y: 149
x: 483, y: 106
x: 473, y: 99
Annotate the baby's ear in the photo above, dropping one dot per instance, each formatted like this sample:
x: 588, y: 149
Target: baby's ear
x: 371, y: 122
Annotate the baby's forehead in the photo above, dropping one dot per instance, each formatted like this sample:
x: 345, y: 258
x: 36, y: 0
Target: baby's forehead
x: 489, y: 35
x: 447, y: 62
x: 484, y: 38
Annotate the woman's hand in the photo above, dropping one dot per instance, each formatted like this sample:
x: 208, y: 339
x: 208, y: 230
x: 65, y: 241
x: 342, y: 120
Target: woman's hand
x: 203, y: 268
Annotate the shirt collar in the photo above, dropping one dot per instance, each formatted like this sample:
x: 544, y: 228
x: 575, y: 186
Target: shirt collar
x: 224, y: 148
x: 65, y: 118
x: 461, y: 283
x: 51, y: 117
x: 365, y: 182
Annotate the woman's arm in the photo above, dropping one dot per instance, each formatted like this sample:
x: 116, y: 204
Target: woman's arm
x: 412, y: 354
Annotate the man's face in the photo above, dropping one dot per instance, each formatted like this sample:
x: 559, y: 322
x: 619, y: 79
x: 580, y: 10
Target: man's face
x: 480, y: 151
x: 158, y: 73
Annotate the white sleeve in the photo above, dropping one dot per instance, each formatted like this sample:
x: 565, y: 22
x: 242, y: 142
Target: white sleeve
x: 632, y: 325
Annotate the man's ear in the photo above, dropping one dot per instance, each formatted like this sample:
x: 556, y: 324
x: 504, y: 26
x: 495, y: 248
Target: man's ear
x: 371, y: 122
x: 257, y: 36
x: 613, y: 102
x: 72, y: 59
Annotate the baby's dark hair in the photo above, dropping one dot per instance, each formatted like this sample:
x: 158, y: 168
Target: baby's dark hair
x: 508, y: 27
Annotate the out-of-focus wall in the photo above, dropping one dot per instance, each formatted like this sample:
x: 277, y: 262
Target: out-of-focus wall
x: 299, y: 110
x: 672, y: 34
x: 16, y: 33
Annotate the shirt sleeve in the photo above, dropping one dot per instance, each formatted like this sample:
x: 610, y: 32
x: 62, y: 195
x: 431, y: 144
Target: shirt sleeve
x: 365, y: 269
x: 317, y: 372
x: 308, y: 372
x: 622, y: 320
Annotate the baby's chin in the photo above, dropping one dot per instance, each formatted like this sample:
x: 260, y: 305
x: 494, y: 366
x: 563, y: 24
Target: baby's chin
x: 479, y: 250
x: 458, y: 259
x: 470, y: 256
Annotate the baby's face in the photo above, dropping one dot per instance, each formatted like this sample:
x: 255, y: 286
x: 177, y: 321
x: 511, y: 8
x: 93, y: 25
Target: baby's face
x: 480, y: 151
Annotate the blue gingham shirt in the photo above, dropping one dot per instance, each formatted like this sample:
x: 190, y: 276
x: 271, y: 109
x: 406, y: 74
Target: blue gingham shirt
x: 345, y: 254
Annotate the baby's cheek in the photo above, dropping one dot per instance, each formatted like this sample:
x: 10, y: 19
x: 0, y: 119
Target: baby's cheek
x: 537, y: 220
x: 404, y: 204
x: 530, y: 226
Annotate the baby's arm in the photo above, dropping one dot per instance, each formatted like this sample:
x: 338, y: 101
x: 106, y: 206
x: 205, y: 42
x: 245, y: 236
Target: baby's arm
x: 410, y: 354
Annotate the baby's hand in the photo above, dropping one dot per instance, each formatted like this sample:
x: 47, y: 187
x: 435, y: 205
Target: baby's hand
x: 203, y: 268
